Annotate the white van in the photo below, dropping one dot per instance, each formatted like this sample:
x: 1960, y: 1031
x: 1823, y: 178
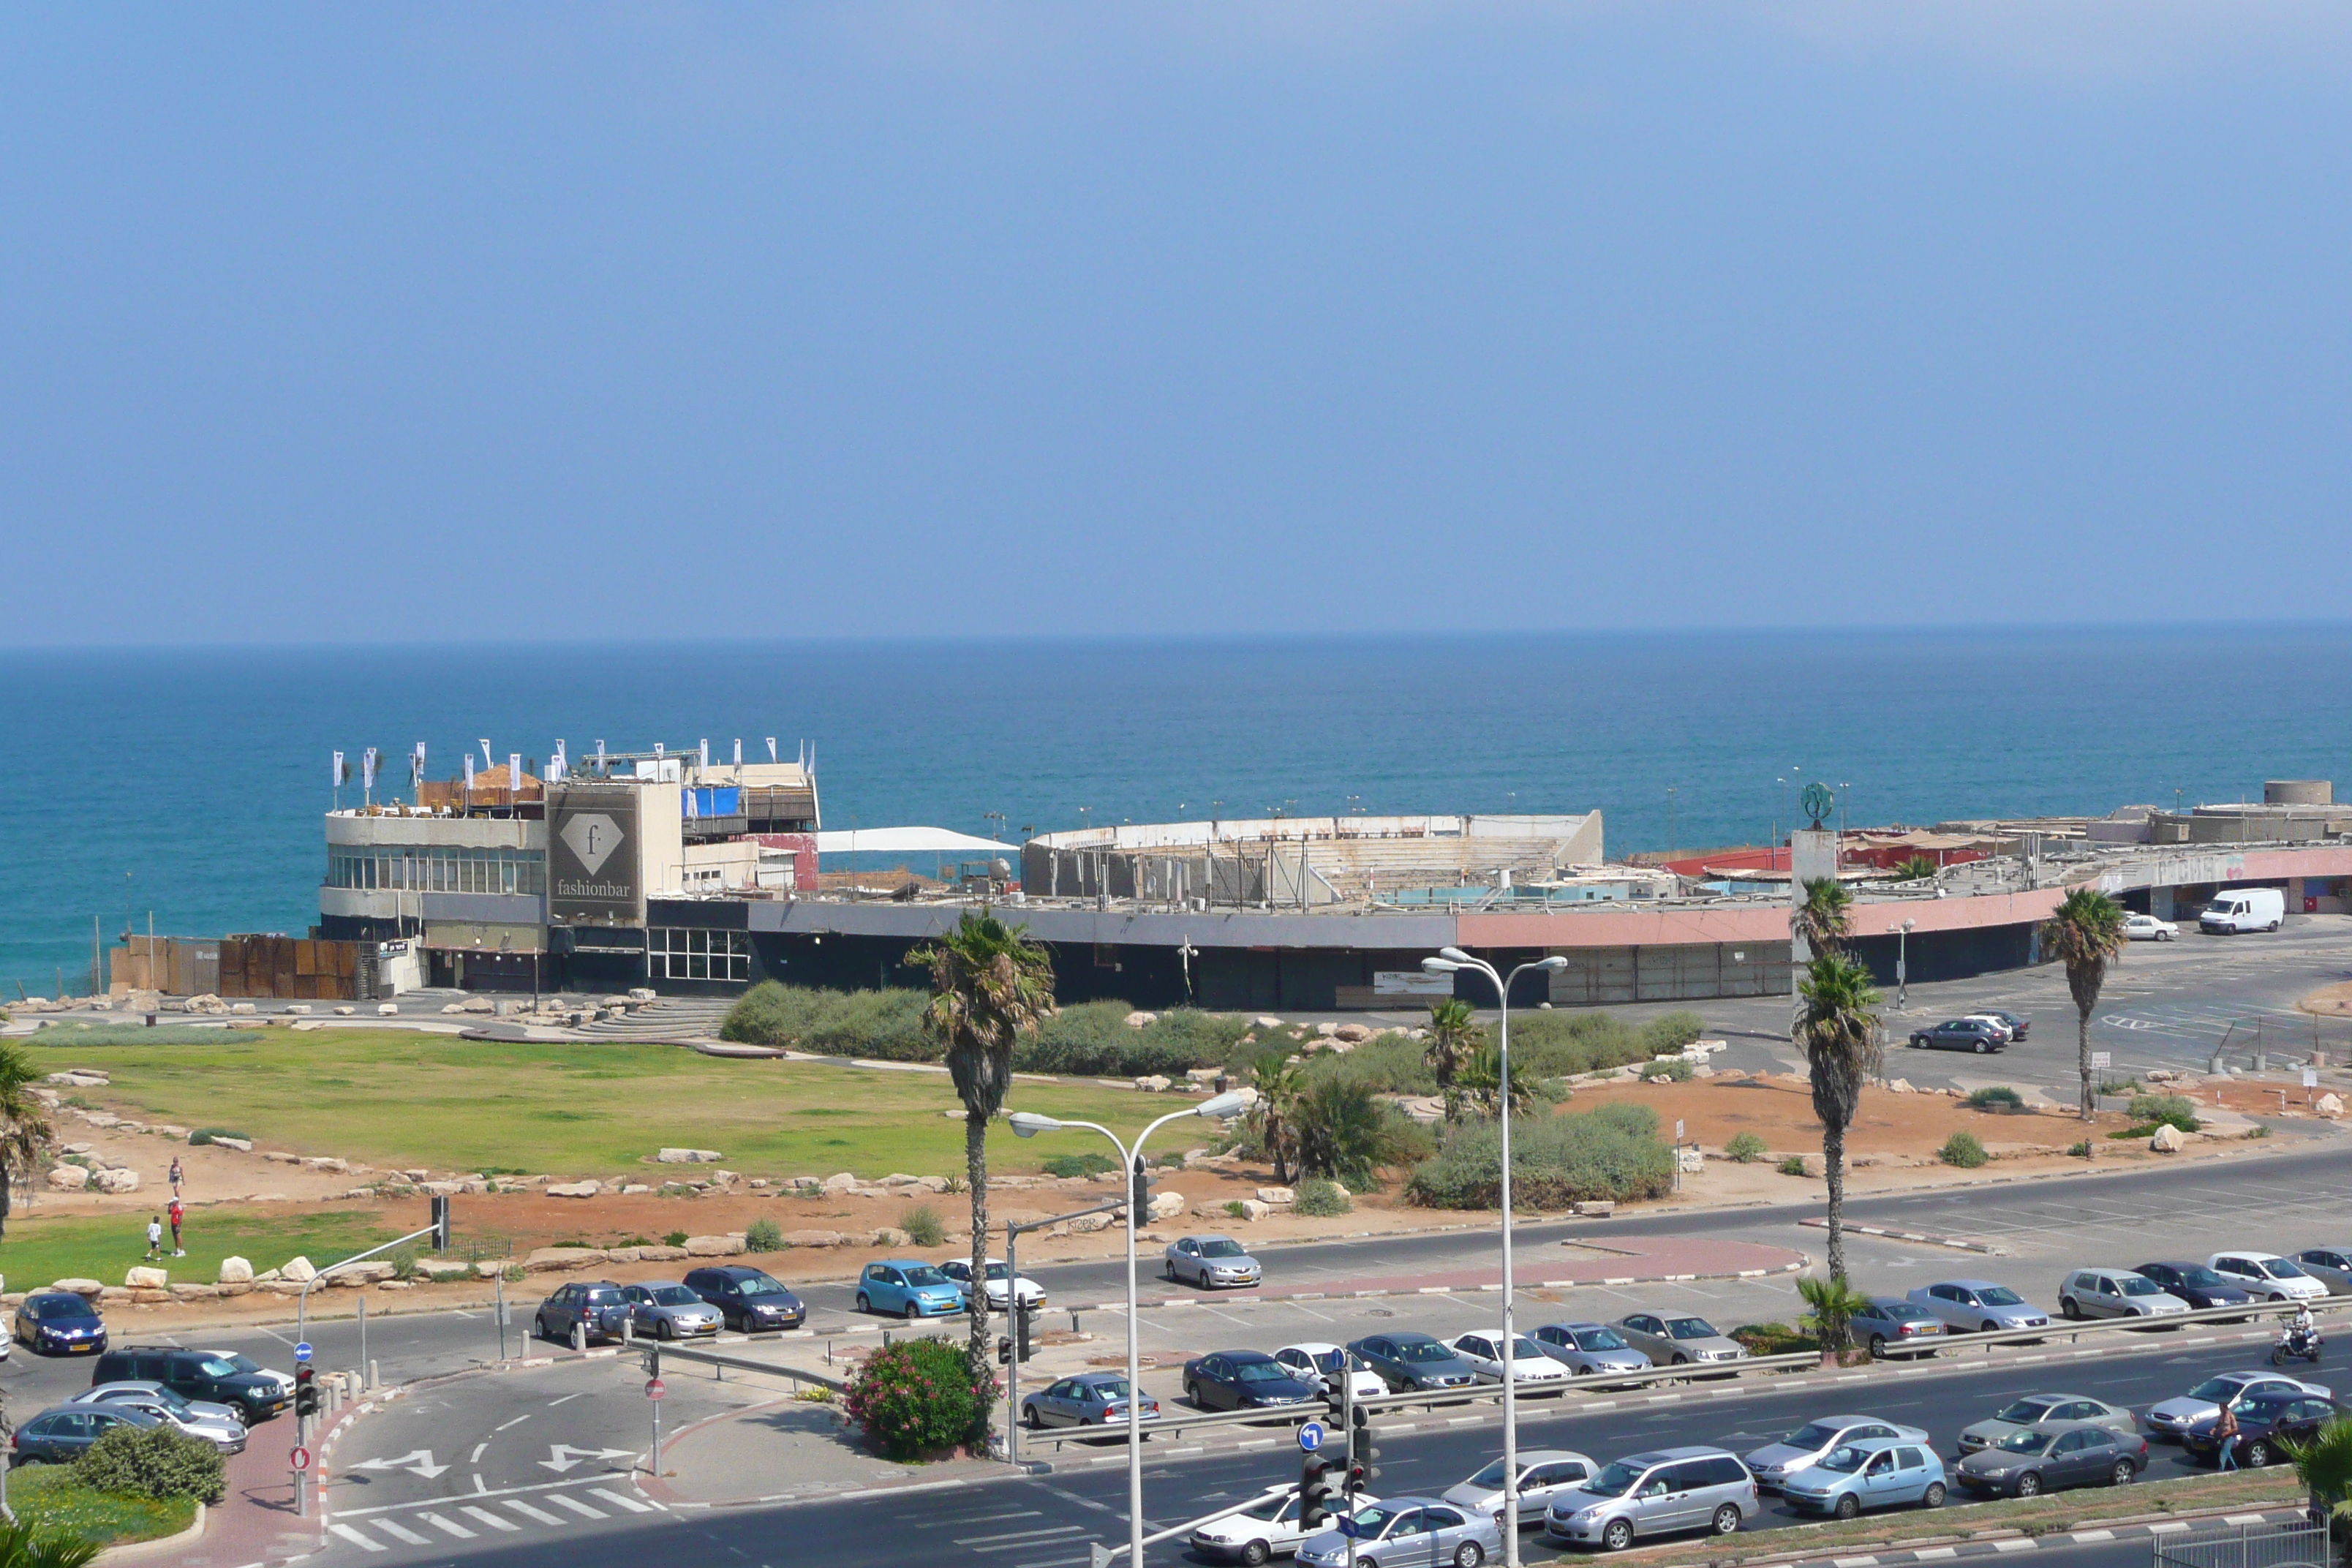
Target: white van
x: 2244, y: 909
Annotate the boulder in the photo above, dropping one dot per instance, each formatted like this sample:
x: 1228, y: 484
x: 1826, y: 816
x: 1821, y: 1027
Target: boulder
x: 1265, y: 1022
x: 69, y: 1178
x: 150, y: 1298
x: 1326, y: 1029
x: 1203, y: 1075
x: 243, y: 1009
x: 242, y: 1145
x: 2330, y: 1105
x: 196, y: 1292
x: 1596, y: 1208
x: 78, y: 1287
x: 1086, y: 1224
x: 2169, y: 1139
x: 634, y: 1189
x: 1352, y: 1034
x: 346, y: 1012
x: 842, y: 1181
x: 391, y: 1010
x: 714, y: 1246
x: 490, y: 1268
x: 143, y: 1001
x: 352, y: 1274
x: 900, y: 1179
x: 439, y: 1269
x: 1165, y: 1205
x: 206, y: 1003
x: 1280, y: 1197
x: 327, y: 1162
x: 689, y: 1157
x: 1154, y: 1084
x: 235, y: 1271
x: 547, y: 1259
x: 145, y: 1277
x: 1692, y: 1159
x: 891, y: 1237
x: 814, y: 1238
x: 1893, y: 1086
x: 1140, y: 1019
x: 556, y: 1189
x: 299, y: 1271
x: 1254, y: 1210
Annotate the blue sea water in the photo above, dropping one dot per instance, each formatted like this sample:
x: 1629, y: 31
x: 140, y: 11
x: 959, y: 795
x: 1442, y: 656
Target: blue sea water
x: 189, y: 782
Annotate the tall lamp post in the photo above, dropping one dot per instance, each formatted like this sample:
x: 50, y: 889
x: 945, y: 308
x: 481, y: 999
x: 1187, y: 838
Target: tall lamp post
x: 1903, y: 964
x: 1448, y: 961
x: 1028, y: 1124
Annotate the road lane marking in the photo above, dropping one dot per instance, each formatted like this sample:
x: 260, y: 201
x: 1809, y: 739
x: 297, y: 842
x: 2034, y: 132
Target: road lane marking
x: 1019, y: 1535
x: 2014, y: 1543
x: 560, y: 1500
x: 630, y: 1503
x: 356, y: 1538
x: 449, y: 1526
x: 493, y: 1520
x: 2093, y: 1535
x: 478, y: 1447
x: 401, y: 1533
x: 536, y: 1515
x: 516, y: 1422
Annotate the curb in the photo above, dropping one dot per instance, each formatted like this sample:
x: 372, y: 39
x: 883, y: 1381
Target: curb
x: 1803, y: 1261
x: 132, y: 1550
x: 2004, y: 1541
x: 1959, y: 1243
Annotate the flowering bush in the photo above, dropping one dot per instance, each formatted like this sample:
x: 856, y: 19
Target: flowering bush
x: 918, y: 1396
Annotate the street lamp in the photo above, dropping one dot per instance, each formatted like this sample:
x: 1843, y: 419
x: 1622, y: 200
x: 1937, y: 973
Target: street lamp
x: 1028, y: 1124
x: 1448, y: 961
x: 1903, y: 964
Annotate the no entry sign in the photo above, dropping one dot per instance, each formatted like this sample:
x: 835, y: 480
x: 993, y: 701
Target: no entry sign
x: 656, y: 1388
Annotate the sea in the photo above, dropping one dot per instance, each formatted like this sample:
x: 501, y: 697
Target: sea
x: 187, y: 784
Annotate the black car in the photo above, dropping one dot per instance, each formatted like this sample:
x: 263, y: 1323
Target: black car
x: 2036, y: 1459
x: 2017, y: 1025
x: 597, y: 1306
x: 1959, y: 1035
x: 2264, y: 1422
x: 59, y: 1322
x: 58, y: 1437
x: 2194, y: 1283
x: 1245, y: 1380
x: 196, y: 1374
x: 749, y: 1300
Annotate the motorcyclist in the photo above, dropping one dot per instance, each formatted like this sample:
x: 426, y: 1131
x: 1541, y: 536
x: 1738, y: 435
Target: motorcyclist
x: 2299, y: 1329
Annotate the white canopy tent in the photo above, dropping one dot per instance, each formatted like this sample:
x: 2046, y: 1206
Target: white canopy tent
x: 908, y: 841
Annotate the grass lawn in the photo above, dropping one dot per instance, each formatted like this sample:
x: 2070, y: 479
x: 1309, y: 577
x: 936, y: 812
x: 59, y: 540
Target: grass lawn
x: 37, y: 1251
x: 46, y: 1495
x: 397, y: 1099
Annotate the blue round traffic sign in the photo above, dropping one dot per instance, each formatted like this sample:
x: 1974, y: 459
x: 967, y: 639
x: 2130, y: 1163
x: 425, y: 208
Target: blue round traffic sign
x: 303, y: 1350
x: 1310, y: 1436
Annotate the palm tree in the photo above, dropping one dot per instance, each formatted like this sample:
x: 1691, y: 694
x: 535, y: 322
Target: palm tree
x: 1917, y: 868
x: 1280, y: 1086
x: 25, y: 1130
x: 1479, y: 1081
x: 1838, y: 1031
x: 2086, y: 931
x: 990, y: 985
x: 1825, y: 917
x: 1454, y: 1035
x: 26, y: 1544
x: 1832, y: 1303
x: 2324, y: 1465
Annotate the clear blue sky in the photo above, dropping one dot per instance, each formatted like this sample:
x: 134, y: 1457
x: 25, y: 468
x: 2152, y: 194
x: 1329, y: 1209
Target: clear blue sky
x: 414, y: 320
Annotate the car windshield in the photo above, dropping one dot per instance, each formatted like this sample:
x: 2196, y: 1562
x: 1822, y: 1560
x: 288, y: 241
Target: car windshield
x: 1261, y: 1372
x: 921, y: 1274
x: 1616, y: 1480
x: 1492, y: 1476
x: 761, y: 1285
x: 997, y: 1271
x: 1846, y: 1459
x: 1999, y: 1296
x: 1811, y: 1435
x: 2220, y: 1390
x: 1899, y: 1312
x: 1691, y: 1329
x: 2135, y: 1286
x: 1325, y: 1361
x: 2260, y: 1409
x: 2024, y: 1411
x: 674, y: 1296
x: 170, y: 1401
x: 67, y: 1307
x: 2278, y: 1268
x: 1265, y: 1508
x: 1598, y: 1339
x: 240, y: 1363
x: 1372, y: 1519
x: 1221, y: 1247
x: 604, y: 1297
x: 1422, y: 1351
x: 2024, y: 1442
x: 213, y: 1366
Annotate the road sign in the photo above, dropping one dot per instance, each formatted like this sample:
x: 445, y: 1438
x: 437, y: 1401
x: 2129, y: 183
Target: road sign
x: 1348, y: 1526
x: 1678, y: 1129
x: 2311, y: 1078
x: 1310, y: 1436
x: 301, y: 1458
x: 2103, y: 1059
x: 303, y: 1350
x: 656, y: 1388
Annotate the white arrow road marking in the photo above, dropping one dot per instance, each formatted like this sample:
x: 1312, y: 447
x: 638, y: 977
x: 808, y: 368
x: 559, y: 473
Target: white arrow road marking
x: 418, y: 1462
x: 561, y: 1456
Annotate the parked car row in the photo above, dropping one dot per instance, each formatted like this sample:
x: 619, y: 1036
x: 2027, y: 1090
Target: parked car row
x: 725, y: 1296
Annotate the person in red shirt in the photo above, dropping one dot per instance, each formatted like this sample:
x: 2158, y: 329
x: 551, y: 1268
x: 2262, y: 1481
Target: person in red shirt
x: 176, y: 1212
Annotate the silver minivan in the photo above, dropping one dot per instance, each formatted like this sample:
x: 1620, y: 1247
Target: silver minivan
x: 1656, y: 1493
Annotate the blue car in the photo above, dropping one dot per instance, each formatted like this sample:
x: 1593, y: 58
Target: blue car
x: 1874, y: 1472
x: 905, y: 1287
x: 59, y: 1322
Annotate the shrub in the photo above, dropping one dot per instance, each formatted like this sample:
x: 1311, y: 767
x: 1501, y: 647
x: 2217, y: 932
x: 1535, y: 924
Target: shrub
x: 1088, y: 1164
x: 1999, y: 1097
x: 1092, y: 1040
x: 879, y: 1024
x: 203, y: 1135
x: 923, y: 1226
x: 1962, y: 1149
x: 154, y: 1462
x: 1346, y: 1134
x: 1670, y: 1068
x: 1672, y: 1032
x: 1235, y: 1209
x: 764, y: 1234
x: 1562, y: 1045
x: 404, y: 1263
x: 2081, y: 1151
x: 1745, y: 1147
x: 2119, y: 1086
x: 1773, y: 1339
x: 1610, y: 1153
x: 2175, y: 1108
x: 1321, y: 1199
x: 918, y: 1396
x: 1794, y: 1166
x: 675, y: 1239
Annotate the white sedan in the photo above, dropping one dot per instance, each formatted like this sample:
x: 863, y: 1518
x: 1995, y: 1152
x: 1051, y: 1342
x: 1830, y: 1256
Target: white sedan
x: 2147, y: 927
x: 959, y: 1270
x: 1530, y: 1363
x: 1258, y: 1529
x: 1311, y: 1362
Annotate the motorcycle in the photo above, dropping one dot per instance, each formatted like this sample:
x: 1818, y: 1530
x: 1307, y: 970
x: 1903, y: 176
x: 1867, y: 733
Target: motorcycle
x: 2294, y: 1346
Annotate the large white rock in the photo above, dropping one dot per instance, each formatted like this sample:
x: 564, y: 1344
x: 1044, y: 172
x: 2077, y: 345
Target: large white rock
x: 1279, y: 1197
x: 547, y: 1259
x: 1142, y: 1020
x: 689, y: 1157
x: 207, y: 1003
x: 78, y: 1287
x: 118, y: 1179
x: 2169, y: 1139
x: 574, y: 1189
x: 438, y: 1269
x: 713, y: 1246
x: 69, y: 1178
x: 235, y: 1271
x: 839, y: 1182
x: 145, y: 1277
x: 1154, y: 1084
x: 1166, y: 1206
x: 299, y: 1271
x: 2330, y: 1105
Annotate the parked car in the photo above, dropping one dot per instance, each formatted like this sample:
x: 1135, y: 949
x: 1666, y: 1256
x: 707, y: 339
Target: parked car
x: 1211, y: 1261
x: 1407, y: 1530
x: 1544, y: 1474
x: 2044, y: 1412
x: 1245, y: 1380
x: 1978, y: 1306
x: 1671, y: 1342
x: 1529, y: 1363
x: 2195, y: 1284
x: 999, y: 1286
x: 750, y: 1300
x: 2266, y: 1422
x: 595, y: 1306
x: 1879, y: 1472
x: 2267, y: 1275
x: 254, y: 1392
x: 1961, y: 1035
x: 1411, y: 1363
x: 2115, y: 1293
x: 908, y: 1288
x: 2037, y: 1460
x: 2017, y: 1027
x: 1318, y: 1363
x: 1809, y: 1445
x: 2244, y: 909
x: 1256, y: 1530
x: 1656, y: 1493
x: 2174, y: 1417
x: 1588, y: 1348
x: 60, y: 1437
x: 215, y: 1423
x: 59, y: 1322
x: 1890, y: 1325
x: 2147, y: 927
x: 2331, y: 1266
x: 1089, y: 1399
x: 668, y: 1310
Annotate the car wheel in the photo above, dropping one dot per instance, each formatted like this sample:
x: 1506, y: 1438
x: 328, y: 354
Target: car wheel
x: 1987, y: 1327
x: 1255, y: 1553
x: 1934, y: 1496
x: 2258, y: 1454
x: 1469, y: 1554
x: 863, y: 1304
x: 2029, y: 1485
x: 1878, y: 1344
x: 2123, y: 1472
x: 1031, y: 1419
x: 909, y: 1312
x: 664, y: 1328
x: 1848, y: 1505
x: 1169, y: 1268
x: 1727, y: 1519
x: 1982, y: 1047
x: 1192, y: 1392
x: 1617, y: 1535
x: 2068, y: 1309
x: 539, y: 1324
x: 1682, y: 1361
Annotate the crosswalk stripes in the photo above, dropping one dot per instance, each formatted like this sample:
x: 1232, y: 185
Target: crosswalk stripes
x: 448, y: 1527
x: 538, y: 1515
x: 365, y: 1542
x: 402, y: 1532
x: 493, y: 1520
x: 491, y: 1515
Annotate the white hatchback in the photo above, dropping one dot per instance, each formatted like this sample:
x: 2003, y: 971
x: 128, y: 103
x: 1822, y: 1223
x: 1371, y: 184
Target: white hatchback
x: 2267, y: 1274
x: 1529, y: 1363
x: 1313, y: 1362
x: 2147, y: 927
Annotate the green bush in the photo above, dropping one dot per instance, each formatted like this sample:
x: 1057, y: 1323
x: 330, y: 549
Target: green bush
x: 2177, y: 1110
x: 153, y: 1462
x: 1562, y: 1045
x: 764, y: 1234
x: 1962, y: 1149
x: 675, y: 1239
x: 1745, y: 1147
x: 923, y: 1226
x: 1610, y: 1152
x: 1794, y: 1166
x: 1092, y: 1040
x: 203, y: 1135
x: 2081, y: 1151
x: 1089, y: 1165
x: 1999, y: 1097
x: 1773, y: 1339
x: 885, y: 1026
x: 1235, y: 1210
x: 918, y: 1396
x: 1672, y: 1031
x: 1346, y: 1134
x: 404, y: 1263
x: 1672, y: 1069
x: 1321, y: 1199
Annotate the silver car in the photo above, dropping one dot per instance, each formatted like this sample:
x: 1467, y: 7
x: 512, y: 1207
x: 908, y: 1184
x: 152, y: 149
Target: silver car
x: 1656, y: 1493
x: 2172, y: 1418
x: 1980, y: 1306
x: 1408, y: 1533
x: 2115, y: 1293
x: 1589, y: 1348
x: 2047, y: 1413
x: 1806, y: 1446
x: 668, y: 1310
x: 2331, y: 1266
x: 1671, y: 1342
x: 215, y: 1423
x: 1257, y: 1530
x: 1089, y: 1399
x: 1211, y: 1262
x: 1544, y: 1474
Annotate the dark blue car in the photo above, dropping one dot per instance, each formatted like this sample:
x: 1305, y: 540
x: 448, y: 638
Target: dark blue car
x: 1245, y: 1380
x: 58, y: 1437
x: 59, y: 1322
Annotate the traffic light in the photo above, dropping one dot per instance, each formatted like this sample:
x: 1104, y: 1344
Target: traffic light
x: 441, y: 1223
x: 1361, y: 1452
x: 1139, y: 1196
x: 1316, y: 1485
x: 305, y: 1390
x: 1015, y: 1343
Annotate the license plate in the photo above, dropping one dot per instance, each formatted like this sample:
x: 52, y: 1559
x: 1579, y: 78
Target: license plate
x: 85, y: 1345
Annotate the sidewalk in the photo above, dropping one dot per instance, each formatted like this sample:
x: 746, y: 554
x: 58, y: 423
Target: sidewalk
x: 255, y: 1522
x: 745, y: 1457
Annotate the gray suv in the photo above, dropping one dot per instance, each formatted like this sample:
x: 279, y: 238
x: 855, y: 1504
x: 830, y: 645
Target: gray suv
x: 1657, y: 1493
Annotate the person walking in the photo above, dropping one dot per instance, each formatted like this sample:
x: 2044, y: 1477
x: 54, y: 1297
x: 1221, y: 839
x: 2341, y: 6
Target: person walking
x: 178, y: 1214
x: 2225, y: 1439
x: 176, y: 1175
x: 155, y: 1237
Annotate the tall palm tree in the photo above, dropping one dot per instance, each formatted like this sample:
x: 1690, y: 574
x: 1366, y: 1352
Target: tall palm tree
x: 1837, y: 1028
x: 1280, y: 1086
x: 25, y: 1129
x: 990, y: 985
x: 2084, y: 934
x: 1824, y: 919
x: 2324, y: 1465
x: 1454, y: 1037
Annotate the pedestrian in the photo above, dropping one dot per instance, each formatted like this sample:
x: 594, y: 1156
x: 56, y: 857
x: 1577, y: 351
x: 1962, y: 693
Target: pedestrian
x: 2225, y: 1438
x: 176, y: 1175
x: 178, y: 1214
x: 155, y: 1237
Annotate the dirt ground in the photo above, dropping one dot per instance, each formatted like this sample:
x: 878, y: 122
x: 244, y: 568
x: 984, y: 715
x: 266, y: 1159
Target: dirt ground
x: 2329, y: 1001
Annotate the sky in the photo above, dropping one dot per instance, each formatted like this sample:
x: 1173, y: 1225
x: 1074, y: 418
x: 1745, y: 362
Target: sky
x: 517, y: 322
